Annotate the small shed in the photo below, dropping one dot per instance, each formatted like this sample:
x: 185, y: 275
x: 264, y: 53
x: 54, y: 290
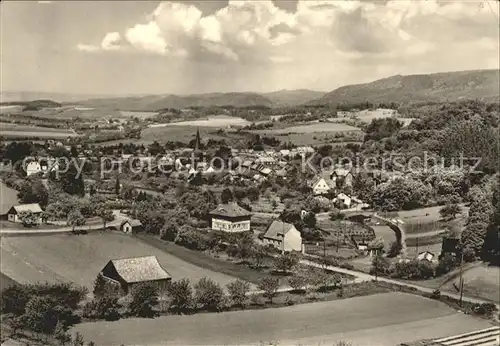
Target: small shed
x: 128, y: 272
x: 13, y: 213
x: 129, y: 226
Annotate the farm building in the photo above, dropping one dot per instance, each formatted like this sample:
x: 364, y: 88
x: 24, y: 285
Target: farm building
x: 283, y: 236
x: 13, y: 213
x: 128, y: 272
x: 129, y: 226
x: 230, y: 217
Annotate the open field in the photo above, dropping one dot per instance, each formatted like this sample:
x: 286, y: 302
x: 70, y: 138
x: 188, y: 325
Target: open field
x: 205, y: 261
x: 15, y: 130
x: 177, y: 133
x: 80, y: 258
x: 481, y: 281
x: 423, y: 215
x: 376, y: 320
x: 315, y: 127
x: 217, y: 121
x: 140, y: 115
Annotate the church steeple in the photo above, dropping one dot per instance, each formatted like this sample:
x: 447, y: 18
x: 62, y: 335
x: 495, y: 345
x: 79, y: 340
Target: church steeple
x: 197, y: 143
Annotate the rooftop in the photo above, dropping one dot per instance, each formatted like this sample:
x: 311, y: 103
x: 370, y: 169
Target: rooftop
x: 230, y: 210
x: 140, y: 269
x: 33, y: 207
x: 277, y: 230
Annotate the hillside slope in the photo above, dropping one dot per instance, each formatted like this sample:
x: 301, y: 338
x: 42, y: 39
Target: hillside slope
x: 292, y: 97
x: 448, y: 86
x: 156, y: 102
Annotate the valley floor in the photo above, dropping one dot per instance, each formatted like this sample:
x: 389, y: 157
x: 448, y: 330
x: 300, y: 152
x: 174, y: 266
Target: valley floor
x: 377, y: 320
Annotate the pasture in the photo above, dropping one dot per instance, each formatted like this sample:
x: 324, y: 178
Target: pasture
x: 79, y: 258
x: 178, y: 133
x: 376, y: 320
x: 216, y: 121
x: 8, y: 130
x: 480, y: 281
x: 314, y: 128
x: 139, y: 115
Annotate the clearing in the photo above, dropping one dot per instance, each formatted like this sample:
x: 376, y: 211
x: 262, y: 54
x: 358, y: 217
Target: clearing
x: 218, y: 121
x: 179, y: 133
x: 482, y: 282
x: 8, y: 130
x: 314, y: 127
x: 376, y: 320
x: 79, y: 258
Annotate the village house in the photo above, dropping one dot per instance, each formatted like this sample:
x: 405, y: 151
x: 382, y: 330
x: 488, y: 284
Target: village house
x: 128, y: 272
x: 320, y: 185
x: 33, y: 167
x: 342, y: 177
x: 131, y: 226
x: 230, y: 217
x: 283, y: 236
x: 13, y: 213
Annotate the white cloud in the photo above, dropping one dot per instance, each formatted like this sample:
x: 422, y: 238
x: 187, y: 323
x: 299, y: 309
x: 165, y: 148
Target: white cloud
x: 111, y: 41
x: 87, y: 48
x: 248, y: 29
x: 147, y: 37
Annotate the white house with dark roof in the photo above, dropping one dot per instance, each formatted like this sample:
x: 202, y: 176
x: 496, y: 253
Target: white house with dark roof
x: 320, y: 185
x: 129, y: 226
x: 230, y: 217
x: 13, y: 213
x: 283, y: 236
x: 127, y: 272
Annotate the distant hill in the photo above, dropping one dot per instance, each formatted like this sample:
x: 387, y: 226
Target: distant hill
x: 292, y: 97
x: 440, y: 87
x: 156, y: 102
x: 32, y: 105
x: 19, y: 96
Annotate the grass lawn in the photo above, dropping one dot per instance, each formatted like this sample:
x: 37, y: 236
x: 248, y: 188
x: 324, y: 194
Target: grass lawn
x: 79, y: 258
x: 205, y: 261
x: 481, y: 281
x: 178, y: 133
x: 380, y: 319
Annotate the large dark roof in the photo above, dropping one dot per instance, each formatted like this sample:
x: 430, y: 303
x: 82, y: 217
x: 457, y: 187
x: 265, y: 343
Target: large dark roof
x: 140, y: 269
x: 277, y: 230
x: 230, y: 210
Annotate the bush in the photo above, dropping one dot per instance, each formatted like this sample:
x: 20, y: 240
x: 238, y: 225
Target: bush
x: 469, y: 255
x: 270, y: 286
x: 181, y: 294
x: 238, y: 290
x: 298, y: 282
x: 484, y: 309
x: 436, y: 294
x: 446, y: 264
x: 348, y: 266
x: 106, y: 308
x: 209, y: 295
x: 144, y: 300
x: 286, y: 262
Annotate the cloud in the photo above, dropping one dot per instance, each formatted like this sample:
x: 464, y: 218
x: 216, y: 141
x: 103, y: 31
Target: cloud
x: 87, y: 48
x: 248, y: 30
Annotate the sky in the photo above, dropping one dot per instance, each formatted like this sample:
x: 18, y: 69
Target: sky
x: 186, y: 47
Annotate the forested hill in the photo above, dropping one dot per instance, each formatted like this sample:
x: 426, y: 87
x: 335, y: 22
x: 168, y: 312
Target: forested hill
x: 439, y: 87
x: 156, y: 102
